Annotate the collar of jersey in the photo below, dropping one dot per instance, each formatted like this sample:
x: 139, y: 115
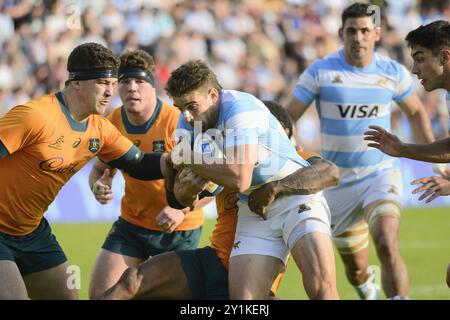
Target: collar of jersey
x: 143, y: 128
x: 371, y: 68
x: 75, y: 125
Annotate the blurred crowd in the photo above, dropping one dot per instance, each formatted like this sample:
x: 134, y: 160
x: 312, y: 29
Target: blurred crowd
x: 258, y: 46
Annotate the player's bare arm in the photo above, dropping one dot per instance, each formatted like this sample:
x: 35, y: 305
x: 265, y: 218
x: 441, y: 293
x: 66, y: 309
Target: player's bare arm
x: 438, y: 151
x: 126, y: 287
x: 296, y: 108
x: 320, y: 175
x: 418, y: 118
x: 433, y: 187
x: 235, y: 173
x: 140, y: 166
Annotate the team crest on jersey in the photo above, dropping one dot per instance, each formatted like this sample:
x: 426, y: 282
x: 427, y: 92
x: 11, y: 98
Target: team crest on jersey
x: 393, y: 190
x: 303, y: 208
x: 337, y: 79
x: 382, y: 82
x: 158, y: 146
x: 94, y: 145
x: 76, y: 143
x: 57, y: 144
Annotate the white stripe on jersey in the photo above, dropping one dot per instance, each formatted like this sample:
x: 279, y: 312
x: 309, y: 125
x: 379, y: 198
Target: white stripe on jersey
x: 344, y: 143
x: 348, y: 175
x: 309, y: 82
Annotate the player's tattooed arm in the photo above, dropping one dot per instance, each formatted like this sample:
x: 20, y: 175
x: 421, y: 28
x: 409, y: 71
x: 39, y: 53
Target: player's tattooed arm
x: 320, y: 175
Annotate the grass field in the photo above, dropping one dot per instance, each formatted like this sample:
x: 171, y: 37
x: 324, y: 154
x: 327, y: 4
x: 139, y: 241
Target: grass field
x: 424, y: 244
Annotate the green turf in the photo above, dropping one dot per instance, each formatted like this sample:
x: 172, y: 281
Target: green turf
x: 424, y: 244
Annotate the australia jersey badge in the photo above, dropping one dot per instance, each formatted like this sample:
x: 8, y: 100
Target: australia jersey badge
x: 158, y: 146
x: 94, y: 145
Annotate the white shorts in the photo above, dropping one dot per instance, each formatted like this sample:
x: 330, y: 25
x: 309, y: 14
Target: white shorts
x: 347, y: 203
x: 288, y: 219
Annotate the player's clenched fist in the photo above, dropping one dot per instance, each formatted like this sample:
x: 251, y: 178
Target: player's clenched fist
x: 102, y: 188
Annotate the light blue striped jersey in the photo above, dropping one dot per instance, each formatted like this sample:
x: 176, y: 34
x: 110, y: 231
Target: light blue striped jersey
x: 348, y: 100
x: 243, y: 119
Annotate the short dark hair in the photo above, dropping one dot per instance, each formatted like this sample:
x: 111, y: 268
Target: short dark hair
x: 88, y: 56
x: 357, y: 10
x: 138, y: 59
x: 191, y: 76
x: 281, y: 114
x: 432, y: 36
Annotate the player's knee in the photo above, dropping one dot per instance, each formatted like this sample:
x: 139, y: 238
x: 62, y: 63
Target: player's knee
x: 248, y: 291
x: 240, y: 293
x: 323, y: 289
x: 355, y: 273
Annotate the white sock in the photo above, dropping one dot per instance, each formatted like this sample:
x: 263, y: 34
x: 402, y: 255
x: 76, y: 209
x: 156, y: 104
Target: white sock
x: 369, y: 290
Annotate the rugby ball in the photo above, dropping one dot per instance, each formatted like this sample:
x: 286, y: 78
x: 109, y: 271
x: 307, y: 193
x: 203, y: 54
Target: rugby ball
x: 207, y: 146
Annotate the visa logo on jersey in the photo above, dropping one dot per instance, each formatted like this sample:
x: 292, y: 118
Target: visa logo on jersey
x: 358, y: 111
